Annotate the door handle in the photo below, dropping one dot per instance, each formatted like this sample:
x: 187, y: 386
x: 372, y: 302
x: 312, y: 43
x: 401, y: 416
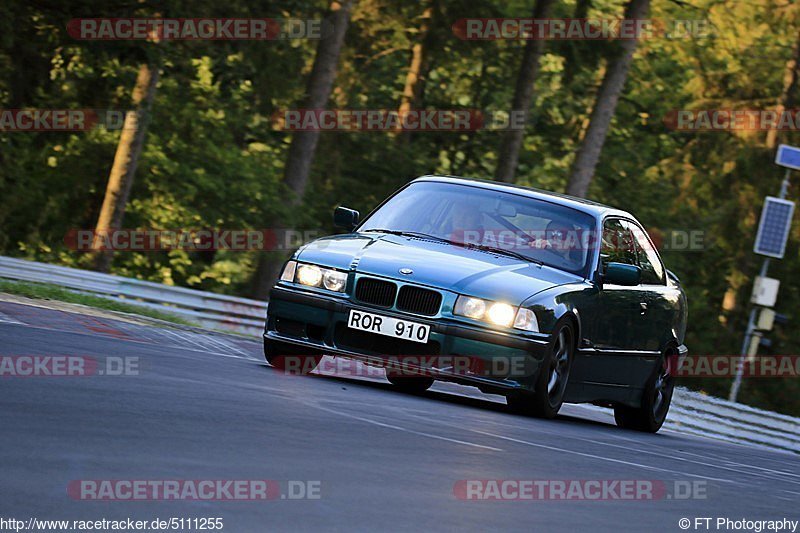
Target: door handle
x: 642, y: 308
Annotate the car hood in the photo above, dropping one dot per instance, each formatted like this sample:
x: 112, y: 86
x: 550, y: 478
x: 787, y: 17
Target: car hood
x: 435, y: 264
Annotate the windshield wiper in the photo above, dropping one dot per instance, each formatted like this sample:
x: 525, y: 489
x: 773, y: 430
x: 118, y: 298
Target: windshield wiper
x: 484, y: 247
x: 504, y: 251
x: 411, y: 234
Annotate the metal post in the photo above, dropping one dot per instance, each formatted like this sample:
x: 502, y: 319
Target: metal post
x: 751, y: 322
x: 748, y: 335
x: 785, y: 184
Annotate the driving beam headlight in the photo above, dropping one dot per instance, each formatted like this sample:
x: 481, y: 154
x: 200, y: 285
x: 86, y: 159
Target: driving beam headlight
x: 310, y: 275
x: 500, y: 314
x: 526, y: 319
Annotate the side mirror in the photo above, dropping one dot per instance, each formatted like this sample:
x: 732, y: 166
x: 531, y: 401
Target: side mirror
x: 345, y: 218
x: 622, y: 274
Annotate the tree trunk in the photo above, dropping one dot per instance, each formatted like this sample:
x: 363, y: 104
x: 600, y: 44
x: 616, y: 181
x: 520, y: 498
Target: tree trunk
x: 320, y: 83
x: 508, y: 158
x: 604, y: 108
x: 572, y: 49
x: 120, y: 180
x: 304, y: 143
x: 787, y: 99
x: 412, y: 89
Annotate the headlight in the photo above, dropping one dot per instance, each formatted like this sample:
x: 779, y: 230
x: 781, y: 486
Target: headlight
x: 310, y: 275
x: 498, y: 313
x: 314, y: 276
x: 526, y: 319
x: 471, y: 307
x: 334, y: 280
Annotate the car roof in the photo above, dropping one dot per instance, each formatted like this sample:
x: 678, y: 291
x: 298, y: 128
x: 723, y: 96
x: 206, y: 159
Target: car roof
x: 581, y: 204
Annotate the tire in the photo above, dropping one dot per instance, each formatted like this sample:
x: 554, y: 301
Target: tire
x: 290, y: 359
x: 551, y: 382
x: 414, y: 385
x: 656, y: 399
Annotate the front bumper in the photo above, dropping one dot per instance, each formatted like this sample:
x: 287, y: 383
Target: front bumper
x: 498, y: 361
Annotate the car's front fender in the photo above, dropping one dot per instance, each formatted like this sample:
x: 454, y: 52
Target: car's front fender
x: 552, y: 305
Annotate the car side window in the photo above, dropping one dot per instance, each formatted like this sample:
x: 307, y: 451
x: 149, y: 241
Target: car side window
x: 652, y: 269
x: 617, y: 244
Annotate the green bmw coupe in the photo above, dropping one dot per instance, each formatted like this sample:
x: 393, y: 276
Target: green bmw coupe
x: 541, y: 297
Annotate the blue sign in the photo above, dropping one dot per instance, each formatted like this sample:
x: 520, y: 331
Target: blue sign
x: 773, y: 230
x: 788, y: 156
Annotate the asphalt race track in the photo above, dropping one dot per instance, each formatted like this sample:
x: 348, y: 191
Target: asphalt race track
x: 203, y: 406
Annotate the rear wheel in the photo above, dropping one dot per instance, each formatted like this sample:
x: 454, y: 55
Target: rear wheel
x: 290, y: 359
x: 656, y: 399
x: 551, y: 383
x: 413, y: 384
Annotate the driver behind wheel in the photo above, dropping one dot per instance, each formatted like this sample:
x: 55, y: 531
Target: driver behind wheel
x: 466, y: 223
x: 561, y: 240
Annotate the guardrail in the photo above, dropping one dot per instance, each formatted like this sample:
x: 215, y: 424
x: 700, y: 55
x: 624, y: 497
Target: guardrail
x: 708, y: 416
x: 691, y: 412
x: 216, y: 311
x: 695, y: 413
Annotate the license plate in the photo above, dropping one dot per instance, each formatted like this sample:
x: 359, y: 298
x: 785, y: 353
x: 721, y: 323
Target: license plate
x: 386, y: 325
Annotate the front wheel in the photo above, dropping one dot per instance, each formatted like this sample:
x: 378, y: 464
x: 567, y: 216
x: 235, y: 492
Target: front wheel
x: 656, y: 399
x: 551, y: 383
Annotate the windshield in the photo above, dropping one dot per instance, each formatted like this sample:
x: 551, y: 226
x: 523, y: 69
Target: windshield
x: 539, y: 231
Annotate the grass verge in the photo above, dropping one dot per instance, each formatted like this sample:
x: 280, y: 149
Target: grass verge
x: 45, y: 291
